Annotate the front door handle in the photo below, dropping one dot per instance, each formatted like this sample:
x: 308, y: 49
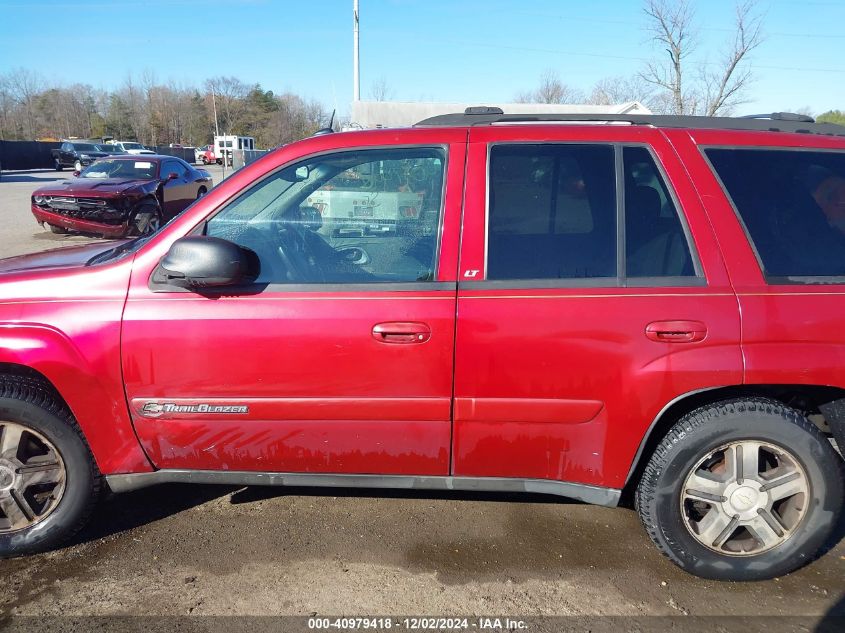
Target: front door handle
x: 401, y: 332
x: 676, y: 331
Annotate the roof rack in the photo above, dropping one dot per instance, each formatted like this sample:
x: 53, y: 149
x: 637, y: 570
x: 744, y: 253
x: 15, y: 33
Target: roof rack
x: 774, y: 122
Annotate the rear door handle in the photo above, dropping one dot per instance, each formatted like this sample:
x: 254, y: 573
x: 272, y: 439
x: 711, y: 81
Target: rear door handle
x: 401, y: 332
x: 676, y: 331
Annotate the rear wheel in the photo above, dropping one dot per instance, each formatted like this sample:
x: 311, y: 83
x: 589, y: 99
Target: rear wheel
x: 48, y: 481
x: 742, y: 490
x: 201, y: 192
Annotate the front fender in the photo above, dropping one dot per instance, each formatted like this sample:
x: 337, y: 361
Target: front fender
x: 87, y: 375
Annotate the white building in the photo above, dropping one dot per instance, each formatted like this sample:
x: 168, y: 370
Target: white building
x: 371, y: 114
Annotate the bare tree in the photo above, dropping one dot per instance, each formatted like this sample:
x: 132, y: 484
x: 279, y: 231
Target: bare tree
x: 723, y: 88
x: 551, y: 90
x: 615, y: 90
x: 380, y: 90
x: 26, y: 85
x: 230, y: 94
x: 671, y: 24
x: 151, y: 111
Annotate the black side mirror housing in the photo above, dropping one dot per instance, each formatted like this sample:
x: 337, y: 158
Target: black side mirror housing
x: 207, y: 262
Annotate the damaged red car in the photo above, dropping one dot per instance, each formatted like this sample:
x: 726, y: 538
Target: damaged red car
x: 120, y: 196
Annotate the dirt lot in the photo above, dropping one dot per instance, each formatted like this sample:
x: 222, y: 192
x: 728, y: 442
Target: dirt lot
x: 181, y: 550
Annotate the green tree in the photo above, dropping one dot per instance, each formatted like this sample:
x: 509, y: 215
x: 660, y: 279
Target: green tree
x: 832, y: 116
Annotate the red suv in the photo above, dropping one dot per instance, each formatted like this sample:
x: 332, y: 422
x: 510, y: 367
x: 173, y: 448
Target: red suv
x: 637, y: 309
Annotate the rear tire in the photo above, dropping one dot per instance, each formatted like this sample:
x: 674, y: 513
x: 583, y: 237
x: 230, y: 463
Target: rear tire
x: 32, y: 417
x: 767, y: 521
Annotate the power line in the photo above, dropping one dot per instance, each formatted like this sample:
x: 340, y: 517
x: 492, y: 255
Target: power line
x: 551, y: 51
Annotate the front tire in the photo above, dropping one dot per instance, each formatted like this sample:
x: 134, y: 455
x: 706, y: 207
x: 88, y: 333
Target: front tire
x: 49, y: 483
x: 77, y: 166
x: 146, y: 219
x: 742, y: 490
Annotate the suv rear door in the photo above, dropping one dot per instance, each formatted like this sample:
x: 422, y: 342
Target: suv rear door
x: 567, y: 346
x: 778, y: 202
x: 338, y: 359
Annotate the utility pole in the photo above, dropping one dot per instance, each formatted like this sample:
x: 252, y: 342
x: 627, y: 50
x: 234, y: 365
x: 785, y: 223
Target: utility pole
x: 214, y: 105
x: 356, y: 78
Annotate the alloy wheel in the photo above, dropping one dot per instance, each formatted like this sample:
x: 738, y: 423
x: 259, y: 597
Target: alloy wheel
x: 32, y: 477
x: 745, y: 498
x: 147, y: 222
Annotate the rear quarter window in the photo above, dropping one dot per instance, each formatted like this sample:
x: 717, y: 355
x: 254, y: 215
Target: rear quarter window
x: 791, y: 203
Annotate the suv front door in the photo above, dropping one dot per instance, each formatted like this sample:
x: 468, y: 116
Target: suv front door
x: 586, y: 303
x: 339, y: 358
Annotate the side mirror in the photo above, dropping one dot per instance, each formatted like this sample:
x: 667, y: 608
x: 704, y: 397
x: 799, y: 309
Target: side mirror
x: 172, y: 176
x: 205, y: 262
x: 301, y: 173
x: 76, y: 173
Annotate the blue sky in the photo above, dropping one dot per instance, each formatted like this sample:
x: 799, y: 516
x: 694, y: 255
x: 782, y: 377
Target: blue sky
x: 482, y: 51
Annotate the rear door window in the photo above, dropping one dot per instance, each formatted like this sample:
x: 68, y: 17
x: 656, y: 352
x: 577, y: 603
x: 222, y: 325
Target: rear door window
x: 792, y: 205
x: 552, y: 212
x: 656, y: 243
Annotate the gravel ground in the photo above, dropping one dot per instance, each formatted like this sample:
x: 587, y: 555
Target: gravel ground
x: 182, y: 550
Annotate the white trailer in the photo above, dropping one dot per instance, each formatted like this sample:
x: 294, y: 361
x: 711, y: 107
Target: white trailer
x: 224, y: 145
x: 365, y: 212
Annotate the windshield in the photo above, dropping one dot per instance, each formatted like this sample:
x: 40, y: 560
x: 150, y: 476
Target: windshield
x: 132, y: 146
x: 135, y: 169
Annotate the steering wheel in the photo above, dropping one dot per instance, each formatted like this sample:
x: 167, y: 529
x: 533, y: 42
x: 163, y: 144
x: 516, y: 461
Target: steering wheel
x: 297, y: 256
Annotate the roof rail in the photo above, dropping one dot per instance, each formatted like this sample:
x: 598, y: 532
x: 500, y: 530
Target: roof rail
x: 781, y: 116
x: 774, y: 122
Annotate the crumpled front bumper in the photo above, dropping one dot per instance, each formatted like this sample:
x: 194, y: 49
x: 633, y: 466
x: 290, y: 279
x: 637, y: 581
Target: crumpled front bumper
x: 82, y: 225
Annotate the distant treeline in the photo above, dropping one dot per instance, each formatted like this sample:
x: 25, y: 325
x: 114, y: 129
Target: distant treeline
x: 153, y: 113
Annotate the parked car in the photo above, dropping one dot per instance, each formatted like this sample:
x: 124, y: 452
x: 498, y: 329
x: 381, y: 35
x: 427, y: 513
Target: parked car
x: 131, y: 147
x: 78, y: 154
x: 205, y: 155
x: 651, y: 310
x: 120, y: 196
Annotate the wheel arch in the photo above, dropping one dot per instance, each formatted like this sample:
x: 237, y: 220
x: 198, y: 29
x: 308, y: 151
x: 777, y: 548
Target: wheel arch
x: 804, y: 398
x: 45, y: 354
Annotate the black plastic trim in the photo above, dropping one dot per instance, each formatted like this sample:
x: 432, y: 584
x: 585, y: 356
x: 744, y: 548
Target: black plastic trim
x: 257, y: 289
x: 590, y: 494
